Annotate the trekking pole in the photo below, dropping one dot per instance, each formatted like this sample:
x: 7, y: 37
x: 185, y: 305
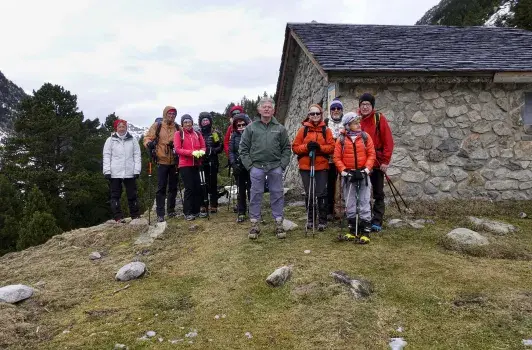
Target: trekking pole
x: 309, y: 192
x: 314, y: 199
x: 357, y: 216
x: 230, y: 186
x: 345, y: 205
x: 390, y: 183
x: 149, y: 193
x: 179, y: 189
x: 203, y: 184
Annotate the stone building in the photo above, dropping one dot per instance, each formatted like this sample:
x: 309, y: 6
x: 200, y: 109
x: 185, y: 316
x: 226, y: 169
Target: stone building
x: 459, y: 100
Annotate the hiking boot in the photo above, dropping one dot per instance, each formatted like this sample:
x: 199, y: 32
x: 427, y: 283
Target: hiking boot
x: 254, y: 231
x: 172, y: 214
x: 241, y: 218
x: 190, y: 217
x: 279, y: 229
x: 363, y: 239
x: 376, y: 228
x: 322, y: 213
x: 213, y: 210
x: 120, y: 221
x: 346, y: 237
x: 160, y: 218
x: 365, y: 227
x: 203, y: 212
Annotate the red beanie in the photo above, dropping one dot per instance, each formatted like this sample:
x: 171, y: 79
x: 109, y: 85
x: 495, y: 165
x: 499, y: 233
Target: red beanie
x: 118, y: 121
x: 236, y: 108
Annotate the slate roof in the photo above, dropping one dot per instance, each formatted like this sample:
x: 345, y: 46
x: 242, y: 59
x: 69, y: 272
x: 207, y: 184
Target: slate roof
x: 386, y: 48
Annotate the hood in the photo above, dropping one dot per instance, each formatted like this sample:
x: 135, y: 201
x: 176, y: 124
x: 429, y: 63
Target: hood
x: 168, y: 108
x: 240, y: 117
x: 208, y: 128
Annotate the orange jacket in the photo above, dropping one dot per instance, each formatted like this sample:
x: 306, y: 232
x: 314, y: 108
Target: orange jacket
x: 345, y: 158
x: 314, y: 133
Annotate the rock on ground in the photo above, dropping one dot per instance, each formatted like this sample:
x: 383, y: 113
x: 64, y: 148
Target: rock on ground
x: 154, y: 232
x: 360, y: 288
x: 468, y: 237
x: 289, y: 225
x: 14, y: 293
x: 139, y: 222
x: 279, y: 276
x: 131, y: 271
x: 95, y: 256
x: 493, y: 226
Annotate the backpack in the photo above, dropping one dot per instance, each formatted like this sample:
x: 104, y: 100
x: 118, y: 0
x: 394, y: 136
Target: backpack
x: 363, y: 134
x: 323, y: 132
x: 159, y: 122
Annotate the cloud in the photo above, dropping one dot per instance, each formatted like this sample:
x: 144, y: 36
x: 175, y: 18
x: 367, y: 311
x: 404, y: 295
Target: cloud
x: 134, y: 57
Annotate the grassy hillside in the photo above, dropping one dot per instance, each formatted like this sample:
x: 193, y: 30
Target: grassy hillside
x: 432, y: 297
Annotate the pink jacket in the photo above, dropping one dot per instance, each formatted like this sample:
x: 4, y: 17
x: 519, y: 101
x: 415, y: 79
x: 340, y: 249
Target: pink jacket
x: 192, y: 141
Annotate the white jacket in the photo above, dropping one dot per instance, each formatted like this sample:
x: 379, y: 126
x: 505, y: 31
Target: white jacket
x: 121, y: 157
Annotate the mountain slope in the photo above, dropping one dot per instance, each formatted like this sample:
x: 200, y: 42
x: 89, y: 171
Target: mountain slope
x: 10, y: 96
x: 472, y: 13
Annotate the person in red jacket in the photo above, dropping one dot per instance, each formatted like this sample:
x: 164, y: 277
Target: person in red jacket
x: 188, y: 145
x: 376, y: 125
x: 235, y: 110
x: 314, y: 136
x: 354, y: 157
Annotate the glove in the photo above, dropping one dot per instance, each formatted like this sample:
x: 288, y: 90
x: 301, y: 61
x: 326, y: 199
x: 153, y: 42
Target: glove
x: 366, y: 170
x: 107, y: 176
x: 313, y: 146
x: 343, y: 173
x: 136, y: 176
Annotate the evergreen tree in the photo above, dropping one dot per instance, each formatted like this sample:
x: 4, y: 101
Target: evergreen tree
x: 10, y: 215
x: 522, y: 15
x: 38, y: 223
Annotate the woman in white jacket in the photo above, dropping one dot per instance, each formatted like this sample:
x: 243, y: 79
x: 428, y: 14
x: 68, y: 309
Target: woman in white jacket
x: 121, y: 164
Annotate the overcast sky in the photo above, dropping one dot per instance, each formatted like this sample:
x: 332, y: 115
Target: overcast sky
x: 128, y: 57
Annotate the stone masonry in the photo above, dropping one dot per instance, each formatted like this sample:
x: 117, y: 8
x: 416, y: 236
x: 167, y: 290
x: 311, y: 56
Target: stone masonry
x: 452, y: 140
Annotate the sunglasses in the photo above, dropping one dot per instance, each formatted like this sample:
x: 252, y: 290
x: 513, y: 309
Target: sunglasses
x: 312, y: 114
x: 336, y: 108
x: 240, y: 125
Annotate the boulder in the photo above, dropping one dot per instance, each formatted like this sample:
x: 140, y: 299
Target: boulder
x: 464, y: 236
x: 131, y: 271
x: 289, y: 225
x: 95, y: 256
x: 360, y: 288
x: 493, y: 226
x: 279, y: 276
x: 14, y: 293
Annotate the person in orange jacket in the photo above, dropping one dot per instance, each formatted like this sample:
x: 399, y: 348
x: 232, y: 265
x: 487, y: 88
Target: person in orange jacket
x: 354, y: 156
x: 315, y: 137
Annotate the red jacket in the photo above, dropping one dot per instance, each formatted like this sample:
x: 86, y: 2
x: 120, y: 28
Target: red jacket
x: 227, y: 138
x: 192, y: 141
x: 383, y: 140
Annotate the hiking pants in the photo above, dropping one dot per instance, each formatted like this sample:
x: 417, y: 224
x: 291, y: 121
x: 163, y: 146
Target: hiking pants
x: 211, y: 178
x: 244, y: 186
x: 377, y: 182
x: 193, y: 192
x: 321, y: 182
x: 350, y: 196
x: 332, y: 174
x: 166, y: 175
x: 275, y: 185
x: 115, y: 186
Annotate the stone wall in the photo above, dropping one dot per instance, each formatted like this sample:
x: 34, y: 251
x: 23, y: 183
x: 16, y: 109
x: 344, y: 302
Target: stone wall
x: 461, y: 140
x: 308, y: 87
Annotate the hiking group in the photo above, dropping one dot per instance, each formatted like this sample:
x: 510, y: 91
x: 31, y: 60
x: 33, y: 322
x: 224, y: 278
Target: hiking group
x: 355, y: 147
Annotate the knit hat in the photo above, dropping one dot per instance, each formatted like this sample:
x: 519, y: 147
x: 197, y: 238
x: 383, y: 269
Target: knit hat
x: 186, y: 117
x: 240, y: 117
x: 367, y: 97
x: 118, y: 121
x: 349, y: 118
x: 203, y: 115
x: 336, y: 103
x: 238, y: 108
